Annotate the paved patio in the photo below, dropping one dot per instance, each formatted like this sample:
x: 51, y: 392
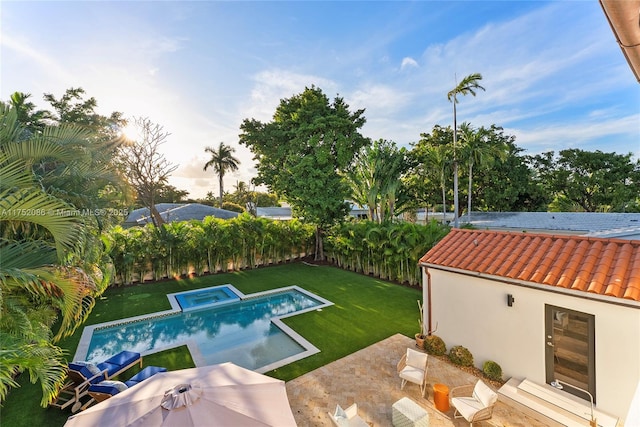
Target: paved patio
x: 369, y: 378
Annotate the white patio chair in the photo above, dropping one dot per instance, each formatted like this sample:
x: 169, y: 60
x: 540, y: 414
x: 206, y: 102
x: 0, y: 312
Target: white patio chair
x: 413, y: 368
x: 473, y: 403
x: 347, y: 417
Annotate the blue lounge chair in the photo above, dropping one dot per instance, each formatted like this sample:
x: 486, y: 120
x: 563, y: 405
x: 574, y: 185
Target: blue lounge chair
x: 83, y: 374
x: 107, y: 388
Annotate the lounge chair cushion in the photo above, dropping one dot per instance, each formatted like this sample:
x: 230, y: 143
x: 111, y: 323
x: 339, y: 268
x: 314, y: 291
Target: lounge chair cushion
x: 415, y: 359
x: 108, y: 387
x: 412, y: 374
x: 467, y: 406
x: 87, y: 371
x: 115, y: 363
x: 90, y: 367
x: 484, y: 394
x: 144, y: 374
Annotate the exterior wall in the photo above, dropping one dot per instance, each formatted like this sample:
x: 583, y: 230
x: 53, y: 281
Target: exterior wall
x: 473, y: 312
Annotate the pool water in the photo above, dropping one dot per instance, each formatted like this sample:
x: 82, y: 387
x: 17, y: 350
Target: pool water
x: 242, y: 332
x: 201, y: 298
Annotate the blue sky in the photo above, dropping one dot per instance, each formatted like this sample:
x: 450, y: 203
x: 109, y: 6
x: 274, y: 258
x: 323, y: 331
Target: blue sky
x: 554, y: 75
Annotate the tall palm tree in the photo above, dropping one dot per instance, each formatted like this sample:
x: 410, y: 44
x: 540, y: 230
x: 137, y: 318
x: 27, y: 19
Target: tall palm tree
x: 468, y: 85
x: 222, y: 161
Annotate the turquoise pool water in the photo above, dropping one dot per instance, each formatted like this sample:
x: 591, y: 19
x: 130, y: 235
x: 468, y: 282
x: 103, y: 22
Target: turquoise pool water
x: 209, y: 297
x: 246, y: 332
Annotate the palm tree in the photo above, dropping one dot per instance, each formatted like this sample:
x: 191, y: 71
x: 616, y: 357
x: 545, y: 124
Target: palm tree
x: 222, y: 161
x: 375, y: 178
x: 39, y: 247
x: 468, y: 85
x: 477, y: 150
x: 362, y: 181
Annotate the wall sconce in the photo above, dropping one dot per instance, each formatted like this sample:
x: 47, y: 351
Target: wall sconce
x: 510, y: 300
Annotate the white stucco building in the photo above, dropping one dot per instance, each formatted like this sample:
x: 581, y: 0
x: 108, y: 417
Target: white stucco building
x: 545, y: 307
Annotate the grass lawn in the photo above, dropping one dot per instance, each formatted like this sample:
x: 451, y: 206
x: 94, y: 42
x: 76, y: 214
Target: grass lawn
x: 366, y: 311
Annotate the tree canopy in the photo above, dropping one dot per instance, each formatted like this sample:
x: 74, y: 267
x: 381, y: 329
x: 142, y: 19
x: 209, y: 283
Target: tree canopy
x: 302, y: 151
x: 589, y: 181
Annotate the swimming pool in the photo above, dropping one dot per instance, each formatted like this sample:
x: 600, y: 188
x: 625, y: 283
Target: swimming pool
x: 248, y: 332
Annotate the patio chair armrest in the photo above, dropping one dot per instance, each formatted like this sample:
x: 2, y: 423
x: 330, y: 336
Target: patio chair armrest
x: 402, y: 363
x: 461, y: 391
x: 482, y: 414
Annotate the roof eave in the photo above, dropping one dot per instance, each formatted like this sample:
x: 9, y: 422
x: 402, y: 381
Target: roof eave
x: 624, y: 19
x: 546, y: 288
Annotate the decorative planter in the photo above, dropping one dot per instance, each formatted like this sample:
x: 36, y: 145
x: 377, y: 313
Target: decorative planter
x: 420, y: 341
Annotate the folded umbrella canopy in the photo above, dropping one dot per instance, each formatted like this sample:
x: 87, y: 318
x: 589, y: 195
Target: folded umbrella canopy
x: 217, y: 395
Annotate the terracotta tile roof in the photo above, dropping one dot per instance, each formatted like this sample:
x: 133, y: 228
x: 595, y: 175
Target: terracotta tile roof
x: 601, y: 266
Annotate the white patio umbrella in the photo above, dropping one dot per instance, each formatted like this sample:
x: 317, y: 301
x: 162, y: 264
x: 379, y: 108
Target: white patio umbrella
x: 218, y: 395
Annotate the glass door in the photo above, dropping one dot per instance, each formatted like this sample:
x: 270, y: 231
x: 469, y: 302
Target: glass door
x: 570, y: 351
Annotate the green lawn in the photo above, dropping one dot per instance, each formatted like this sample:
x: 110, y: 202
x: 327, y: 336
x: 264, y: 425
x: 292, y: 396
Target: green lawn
x: 366, y: 310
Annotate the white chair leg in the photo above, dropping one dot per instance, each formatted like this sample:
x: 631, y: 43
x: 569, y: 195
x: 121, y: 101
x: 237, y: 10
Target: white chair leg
x: 403, y: 384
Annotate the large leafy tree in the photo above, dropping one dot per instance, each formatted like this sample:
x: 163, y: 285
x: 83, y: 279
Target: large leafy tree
x: 589, y: 181
x: 41, y: 252
x: 222, y: 161
x: 507, y: 184
x: 302, y: 152
x: 468, y: 85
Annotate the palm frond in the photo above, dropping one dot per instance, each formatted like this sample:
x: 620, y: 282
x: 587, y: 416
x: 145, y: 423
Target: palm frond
x: 37, y: 207
x: 25, y: 254
x: 43, y: 361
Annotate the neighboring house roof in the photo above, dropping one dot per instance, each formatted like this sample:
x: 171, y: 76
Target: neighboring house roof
x: 609, y: 267
x: 284, y: 212
x: 621, y: 225
x: 178, y: 212
x: 274, y: 212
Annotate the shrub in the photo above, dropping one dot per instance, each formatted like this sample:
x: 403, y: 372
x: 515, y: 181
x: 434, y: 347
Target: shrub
x: 492, y: 370
x: 460, y: 355
x: 233, y: 207
x: 433, y: 344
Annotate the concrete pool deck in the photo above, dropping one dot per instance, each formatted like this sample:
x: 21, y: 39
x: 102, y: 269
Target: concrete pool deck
x: 368, y: 377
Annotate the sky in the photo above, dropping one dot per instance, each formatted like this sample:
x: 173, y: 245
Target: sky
x: 553, y: 74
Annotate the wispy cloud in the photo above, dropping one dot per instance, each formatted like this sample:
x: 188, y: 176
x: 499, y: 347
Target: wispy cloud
x: 408, y: 62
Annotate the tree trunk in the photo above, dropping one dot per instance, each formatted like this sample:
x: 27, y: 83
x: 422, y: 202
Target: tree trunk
x: 155, y: 215
x: 319, y: 255
x: 470, y: 189
x: 221, y: 176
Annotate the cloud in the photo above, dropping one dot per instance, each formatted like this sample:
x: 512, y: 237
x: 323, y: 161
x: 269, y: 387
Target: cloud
x: 408, y: 62
x: 577, y: 134
x: 272, y: 85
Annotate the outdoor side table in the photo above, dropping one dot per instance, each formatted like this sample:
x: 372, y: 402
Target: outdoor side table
x: 407, y: 413
x: 441, y: 397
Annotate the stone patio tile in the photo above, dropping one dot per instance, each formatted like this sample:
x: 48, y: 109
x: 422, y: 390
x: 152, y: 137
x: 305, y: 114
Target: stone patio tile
x: 368, y: 377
